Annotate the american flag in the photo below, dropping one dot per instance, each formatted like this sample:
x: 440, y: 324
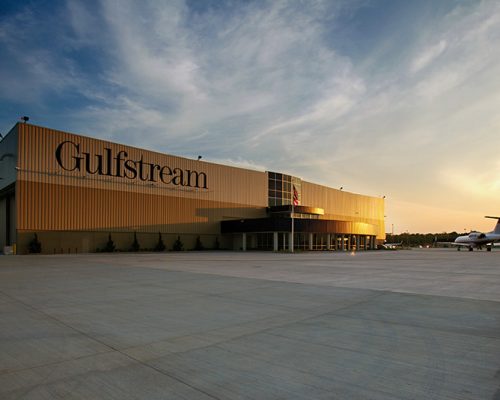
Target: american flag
x: 295, y: 196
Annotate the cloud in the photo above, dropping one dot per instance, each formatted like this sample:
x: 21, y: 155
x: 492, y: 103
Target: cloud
x: 266, y: 65
x: 240, y: 163
x: 427, y: 56
x: 481, y: 180
x: 433, y: 219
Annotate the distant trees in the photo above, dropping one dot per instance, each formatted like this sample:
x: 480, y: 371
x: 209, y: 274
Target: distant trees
x: 421, y: 239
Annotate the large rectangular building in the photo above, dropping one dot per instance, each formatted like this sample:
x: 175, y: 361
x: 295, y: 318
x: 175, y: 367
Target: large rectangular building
x: 74, y: 192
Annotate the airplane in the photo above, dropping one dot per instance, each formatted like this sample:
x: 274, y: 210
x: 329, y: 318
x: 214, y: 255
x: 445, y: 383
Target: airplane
x: 479, y: 239
x: 392, y: 246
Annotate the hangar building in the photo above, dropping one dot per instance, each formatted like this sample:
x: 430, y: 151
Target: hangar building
x: 74, y: 192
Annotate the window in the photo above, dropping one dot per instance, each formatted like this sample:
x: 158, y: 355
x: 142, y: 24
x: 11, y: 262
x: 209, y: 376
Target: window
x: 281, y: 189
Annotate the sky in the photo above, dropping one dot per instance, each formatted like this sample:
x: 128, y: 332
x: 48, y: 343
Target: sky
x: 387, y: 98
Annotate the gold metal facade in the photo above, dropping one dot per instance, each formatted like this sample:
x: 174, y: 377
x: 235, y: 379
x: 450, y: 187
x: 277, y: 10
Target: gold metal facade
x: 62, y: 202
x: 52, y: 198
x: 356, y: 213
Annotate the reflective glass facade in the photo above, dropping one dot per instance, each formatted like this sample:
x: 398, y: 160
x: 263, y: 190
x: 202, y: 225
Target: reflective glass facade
x: 281, y: 189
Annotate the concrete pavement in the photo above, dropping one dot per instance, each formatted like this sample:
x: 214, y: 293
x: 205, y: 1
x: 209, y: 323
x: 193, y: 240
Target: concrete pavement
x: 420, y: 324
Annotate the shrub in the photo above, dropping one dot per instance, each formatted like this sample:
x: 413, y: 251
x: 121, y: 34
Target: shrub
x: 198, y: 245
x: 35, y: 246
x: 110, y: 246
x: 135, y: 244
x: 160, y: 246
x: 178, y: 245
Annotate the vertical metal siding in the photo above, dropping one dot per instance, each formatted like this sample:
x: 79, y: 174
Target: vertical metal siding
x: 340, y: 205
x: 55, y: 199
x: 51, y: 198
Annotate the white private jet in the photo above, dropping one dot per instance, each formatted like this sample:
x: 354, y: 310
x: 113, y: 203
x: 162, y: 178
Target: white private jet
x: 479, y: 239
x: 392, y: 246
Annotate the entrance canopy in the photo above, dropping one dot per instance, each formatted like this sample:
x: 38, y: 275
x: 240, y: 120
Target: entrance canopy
x: 284, y: 224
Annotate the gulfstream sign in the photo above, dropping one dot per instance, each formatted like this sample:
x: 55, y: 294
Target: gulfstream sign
x: 71, y: 158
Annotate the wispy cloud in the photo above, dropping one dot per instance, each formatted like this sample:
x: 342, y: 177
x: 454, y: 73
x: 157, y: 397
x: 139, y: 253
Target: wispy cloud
x: 428, y: 55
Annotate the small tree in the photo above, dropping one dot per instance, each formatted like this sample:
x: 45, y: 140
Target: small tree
x: 110, y: 246
x: 160, y: 246
x: 178, y: 245
x: 135, y: 244
x: 198, y: 245
x: 35, y: 246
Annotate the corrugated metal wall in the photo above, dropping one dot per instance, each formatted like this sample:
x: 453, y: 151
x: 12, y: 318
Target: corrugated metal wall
x: 58, y: 207
x: 54, y: 199
x: 345, y: 206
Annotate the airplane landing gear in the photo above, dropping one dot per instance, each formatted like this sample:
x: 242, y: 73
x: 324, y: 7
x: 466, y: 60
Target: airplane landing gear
x: 470, y: 248
x: 488, y: 248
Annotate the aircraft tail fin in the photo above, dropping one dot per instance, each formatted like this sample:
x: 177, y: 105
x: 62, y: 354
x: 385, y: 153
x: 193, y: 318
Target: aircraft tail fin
x: 497, y: 226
